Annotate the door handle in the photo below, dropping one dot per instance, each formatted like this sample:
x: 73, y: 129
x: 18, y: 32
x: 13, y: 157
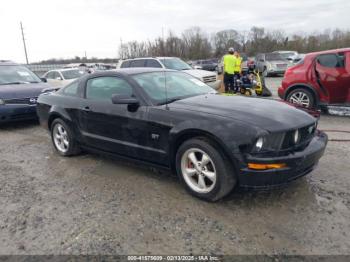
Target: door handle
x: 86, y: 109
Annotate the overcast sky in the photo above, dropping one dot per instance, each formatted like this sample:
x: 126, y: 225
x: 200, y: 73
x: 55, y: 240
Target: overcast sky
x: 66, y: 28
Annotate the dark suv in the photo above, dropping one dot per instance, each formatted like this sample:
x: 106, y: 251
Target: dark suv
x: 319, y: 80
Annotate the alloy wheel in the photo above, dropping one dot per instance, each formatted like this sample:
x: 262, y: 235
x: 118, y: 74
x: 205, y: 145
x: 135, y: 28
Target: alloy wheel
x: 60, y: 138
x: 198, y: 170
x: 300, y: 98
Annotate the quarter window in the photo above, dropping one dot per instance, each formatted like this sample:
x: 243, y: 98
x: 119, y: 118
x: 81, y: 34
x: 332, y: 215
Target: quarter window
x: 71, y: 89
x: 102, y: 88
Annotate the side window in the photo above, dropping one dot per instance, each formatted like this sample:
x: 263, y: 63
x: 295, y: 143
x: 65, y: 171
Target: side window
x: 102, y: 88
x: 125, y: 64
x: 331, y: 60
x: 71, y: 89
x: 153, y: 63
x: 138, y: 63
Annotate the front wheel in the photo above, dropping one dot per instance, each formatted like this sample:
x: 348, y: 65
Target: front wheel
x: 301, y: 97
x: 204, y: 170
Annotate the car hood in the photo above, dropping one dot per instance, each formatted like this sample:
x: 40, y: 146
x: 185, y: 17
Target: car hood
x: 21, y: 90
x: 199, y: 73
x: 267, y: 114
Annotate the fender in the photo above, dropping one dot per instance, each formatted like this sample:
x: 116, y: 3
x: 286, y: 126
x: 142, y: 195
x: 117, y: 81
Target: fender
x: 234, y: 133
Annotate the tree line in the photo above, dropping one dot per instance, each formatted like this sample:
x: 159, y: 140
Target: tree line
x: 194, y: 43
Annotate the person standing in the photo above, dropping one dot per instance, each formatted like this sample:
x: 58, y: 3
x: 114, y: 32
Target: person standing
x: 229, y: 69
x: 237, y: 71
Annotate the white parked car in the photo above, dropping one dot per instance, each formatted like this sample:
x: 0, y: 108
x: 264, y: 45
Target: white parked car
x: 288, y: 55
x: 62, y: 77
x: 174, y: 63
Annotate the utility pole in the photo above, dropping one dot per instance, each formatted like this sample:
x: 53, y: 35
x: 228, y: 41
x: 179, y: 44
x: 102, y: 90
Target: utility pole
x: 24, y: 44
x: 121, y: 51
x: 163, y: 40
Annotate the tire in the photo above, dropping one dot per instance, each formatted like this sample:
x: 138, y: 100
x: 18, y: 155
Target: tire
x: 301, y: 96
x: 218, y: 173
x: 66, y: 145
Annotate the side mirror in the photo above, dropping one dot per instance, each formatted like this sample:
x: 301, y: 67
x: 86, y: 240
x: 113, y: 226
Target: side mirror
x: 43, y: 79
x: 124, y: 100
x: 59, y: 78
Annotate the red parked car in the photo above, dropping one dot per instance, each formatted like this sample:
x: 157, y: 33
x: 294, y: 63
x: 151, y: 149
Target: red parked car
x: 319, y: 80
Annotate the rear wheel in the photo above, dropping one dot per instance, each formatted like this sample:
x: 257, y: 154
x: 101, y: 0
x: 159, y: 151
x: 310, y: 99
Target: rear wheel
x: 63, y: 138
x: 301, y: 97
x: 204, y: 170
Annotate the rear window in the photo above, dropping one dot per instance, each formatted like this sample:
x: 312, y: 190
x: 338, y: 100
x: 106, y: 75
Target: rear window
x: 138, y: 63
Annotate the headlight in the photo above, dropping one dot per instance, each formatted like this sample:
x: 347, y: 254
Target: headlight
x: 296, y: 136
x: 259, y: 144
x: 268, y: 143
x: 2, y: 102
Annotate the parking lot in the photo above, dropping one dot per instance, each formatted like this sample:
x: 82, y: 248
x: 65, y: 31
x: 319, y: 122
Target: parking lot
x: 95, y: 205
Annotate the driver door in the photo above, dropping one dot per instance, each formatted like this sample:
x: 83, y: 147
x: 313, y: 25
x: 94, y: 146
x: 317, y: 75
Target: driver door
x: 114, y: 128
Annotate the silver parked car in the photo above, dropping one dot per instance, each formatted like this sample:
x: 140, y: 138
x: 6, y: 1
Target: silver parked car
x: 271, y: 64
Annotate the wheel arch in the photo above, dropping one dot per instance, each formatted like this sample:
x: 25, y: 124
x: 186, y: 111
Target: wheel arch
x: 58, y: 113
x: 178, y: 139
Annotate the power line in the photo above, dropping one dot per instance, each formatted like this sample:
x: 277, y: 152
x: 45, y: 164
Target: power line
x: 24, y: 44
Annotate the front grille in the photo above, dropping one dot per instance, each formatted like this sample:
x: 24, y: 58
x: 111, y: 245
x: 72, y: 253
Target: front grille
x: 306, y: 134
x: 209, y: 79
x: 22, y: 101
x: 281, y: 65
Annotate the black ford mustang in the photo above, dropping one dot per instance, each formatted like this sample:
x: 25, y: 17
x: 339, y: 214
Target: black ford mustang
x: 213, y: 142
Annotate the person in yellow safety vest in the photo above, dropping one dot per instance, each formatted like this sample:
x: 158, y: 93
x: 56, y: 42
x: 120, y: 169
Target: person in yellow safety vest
x: 237, y: 71
x: 229, y: 69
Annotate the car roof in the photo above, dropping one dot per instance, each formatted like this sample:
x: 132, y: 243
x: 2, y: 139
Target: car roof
x: 132, y: 71
x: 151, y: 57
x: 339, y: 50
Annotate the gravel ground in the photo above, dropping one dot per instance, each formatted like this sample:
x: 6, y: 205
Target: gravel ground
x: 94, y: 205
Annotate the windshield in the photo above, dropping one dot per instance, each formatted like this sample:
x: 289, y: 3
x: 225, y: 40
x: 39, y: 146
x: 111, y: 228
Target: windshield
x: 17, y: 74
x: 175, y: 64
x: 273, y: 57
x: 179, y: 85
x: 72, y: 74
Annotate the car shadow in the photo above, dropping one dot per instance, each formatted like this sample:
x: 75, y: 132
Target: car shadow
x: 9, y: 126
x: 238, y: 197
